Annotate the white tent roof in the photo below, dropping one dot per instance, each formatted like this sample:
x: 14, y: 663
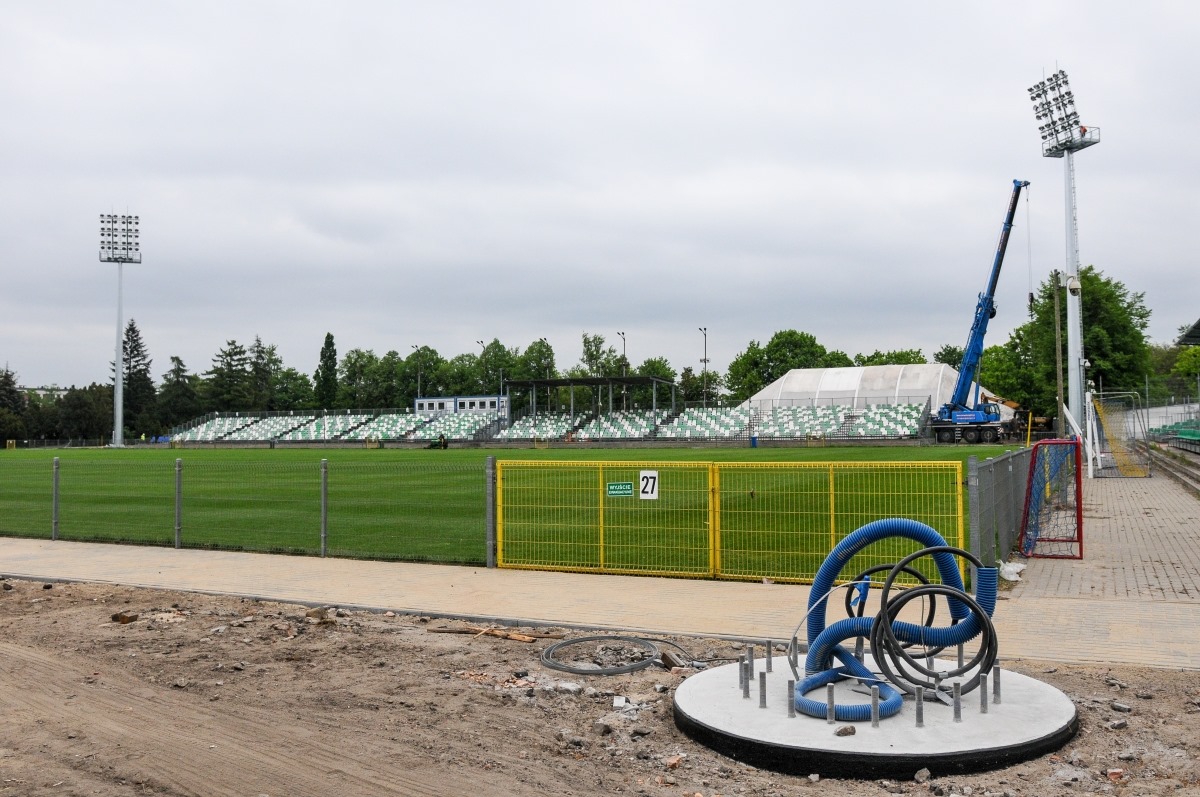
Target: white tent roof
x: 860, y: 385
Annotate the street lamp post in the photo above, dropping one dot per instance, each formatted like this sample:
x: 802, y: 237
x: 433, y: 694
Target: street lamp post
x: 1062, y: 136
x: 417, y: 351
x: 119, y: 244
x: 704, y: 362
x: 624, y: 369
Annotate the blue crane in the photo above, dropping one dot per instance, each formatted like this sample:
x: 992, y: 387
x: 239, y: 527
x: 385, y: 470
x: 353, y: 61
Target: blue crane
x: 975, y: 422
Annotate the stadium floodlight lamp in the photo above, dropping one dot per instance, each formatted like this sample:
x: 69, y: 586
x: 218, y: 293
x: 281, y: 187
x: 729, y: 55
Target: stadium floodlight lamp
x: 1054, y: 103
x: 1063, y: 134
x: 120, y: 243
x: 704, y: 363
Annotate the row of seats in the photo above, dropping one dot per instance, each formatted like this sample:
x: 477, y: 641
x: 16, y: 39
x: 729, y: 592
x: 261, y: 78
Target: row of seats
x: 622, y: 425
x: 454, y: 425
x: 1175, y: 428
x: 891, y: 420
x: 328, y: 427
x: 216, y: 428
x: 708, y: 422
x: 805, y: 421
x: 543, y: 426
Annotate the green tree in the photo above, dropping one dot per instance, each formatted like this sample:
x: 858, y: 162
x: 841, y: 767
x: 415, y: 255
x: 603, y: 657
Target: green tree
x: 643, y: 397
x: 87, y: 413
x: 265, y: 365
x: 1003, y: 373
x: 227, y: 387
x: 949, y: 355
x: 836, y: 358
x: 537, y: 362
x: 458, y: 376
x: 387, y: 380
x: 10, y: 395
x: 325, y: 386
x: 758, y: 366
x: 1163, y: 381
x: 178, y: 400
x: 1187, y: 364
x: 294, y: 391
x: 12, y: 426
x: 41, y: 417
x: 897, y: 357
x: 597, y: 359
x: 419, y: 375
x: 137, y: 384
x: 1114, y: 324
x: 494, y: 361
x: 747, y: 373
x: 357, y: 369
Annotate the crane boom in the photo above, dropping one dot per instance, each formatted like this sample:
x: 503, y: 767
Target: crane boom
x: 957, y: 410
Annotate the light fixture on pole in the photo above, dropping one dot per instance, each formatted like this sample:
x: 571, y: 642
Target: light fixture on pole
x: 548, y: 402
x: 417, y: 351
x: 704, y: 361
x: 1062, y: 136
x: 119, y: 244
x: 624, y: 369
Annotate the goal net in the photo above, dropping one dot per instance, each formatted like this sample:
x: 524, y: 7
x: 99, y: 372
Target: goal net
x: 1052, y: 526
x: 1118, y: 431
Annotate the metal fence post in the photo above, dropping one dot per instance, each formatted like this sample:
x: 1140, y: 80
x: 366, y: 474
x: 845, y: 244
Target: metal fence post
x: 324, y: 504
x: 975, y: 543
x: 490, y: 509
x: 54, y: 504
x: 178, y: 503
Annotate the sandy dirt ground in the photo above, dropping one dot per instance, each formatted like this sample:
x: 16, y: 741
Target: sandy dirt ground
x: 214, y: 696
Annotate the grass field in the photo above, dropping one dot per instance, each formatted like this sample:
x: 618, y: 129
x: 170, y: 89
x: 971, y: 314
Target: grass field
x: 428, y: 505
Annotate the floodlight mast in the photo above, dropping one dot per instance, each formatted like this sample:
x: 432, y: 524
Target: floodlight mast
x: 119, y: 243
x: 1062, y: 136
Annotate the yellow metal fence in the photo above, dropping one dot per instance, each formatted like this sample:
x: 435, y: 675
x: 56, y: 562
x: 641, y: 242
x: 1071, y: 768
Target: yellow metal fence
x: 715, y: 520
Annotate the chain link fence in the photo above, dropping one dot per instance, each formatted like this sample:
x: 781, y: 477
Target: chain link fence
x: 404, y: 511
x: 996, y: 495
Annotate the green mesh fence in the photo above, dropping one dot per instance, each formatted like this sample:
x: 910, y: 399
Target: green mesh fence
x: 125, y: 501
x: 407, y: 511
x: 386, y: 510
x: 26, y: 496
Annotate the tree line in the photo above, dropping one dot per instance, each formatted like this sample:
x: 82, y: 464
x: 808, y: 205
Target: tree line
x: 254, y: 378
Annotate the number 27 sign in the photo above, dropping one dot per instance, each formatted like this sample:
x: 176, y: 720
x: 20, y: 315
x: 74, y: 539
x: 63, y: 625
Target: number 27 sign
x: 649, y: 485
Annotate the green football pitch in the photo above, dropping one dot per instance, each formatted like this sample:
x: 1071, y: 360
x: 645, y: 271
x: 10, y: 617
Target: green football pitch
x: 410, y: 504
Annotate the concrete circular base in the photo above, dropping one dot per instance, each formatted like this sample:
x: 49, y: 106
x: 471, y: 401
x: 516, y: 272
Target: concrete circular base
x: 1032, y: 718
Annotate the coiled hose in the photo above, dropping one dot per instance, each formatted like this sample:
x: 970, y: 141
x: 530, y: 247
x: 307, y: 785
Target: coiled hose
x: 969, y: 618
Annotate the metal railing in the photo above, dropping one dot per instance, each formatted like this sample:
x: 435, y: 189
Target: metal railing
x: 996, y: 496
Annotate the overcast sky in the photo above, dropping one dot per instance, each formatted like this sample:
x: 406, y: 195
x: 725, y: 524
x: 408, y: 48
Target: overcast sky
x: 402, y: 173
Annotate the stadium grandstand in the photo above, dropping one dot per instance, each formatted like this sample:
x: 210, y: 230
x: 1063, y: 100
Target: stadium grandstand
x: 871, y: 403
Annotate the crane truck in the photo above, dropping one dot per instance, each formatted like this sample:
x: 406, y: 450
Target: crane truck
x: 964, y: 418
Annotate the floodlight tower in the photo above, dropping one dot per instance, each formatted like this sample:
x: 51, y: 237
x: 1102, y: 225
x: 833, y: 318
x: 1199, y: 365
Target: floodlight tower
x: 119, y: 244
x: 1063, y: 136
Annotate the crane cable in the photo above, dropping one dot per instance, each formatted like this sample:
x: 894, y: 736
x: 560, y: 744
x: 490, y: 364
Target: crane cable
x: 1029, y: 249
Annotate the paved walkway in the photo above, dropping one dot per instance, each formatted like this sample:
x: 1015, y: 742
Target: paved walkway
x: 1134, y: 599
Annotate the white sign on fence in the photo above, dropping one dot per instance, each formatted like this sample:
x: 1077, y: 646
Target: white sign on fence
x: 649, y: 482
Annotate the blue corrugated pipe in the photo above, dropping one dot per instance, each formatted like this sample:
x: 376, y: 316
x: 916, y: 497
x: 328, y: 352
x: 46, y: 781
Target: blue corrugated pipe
x: 825, y: 643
